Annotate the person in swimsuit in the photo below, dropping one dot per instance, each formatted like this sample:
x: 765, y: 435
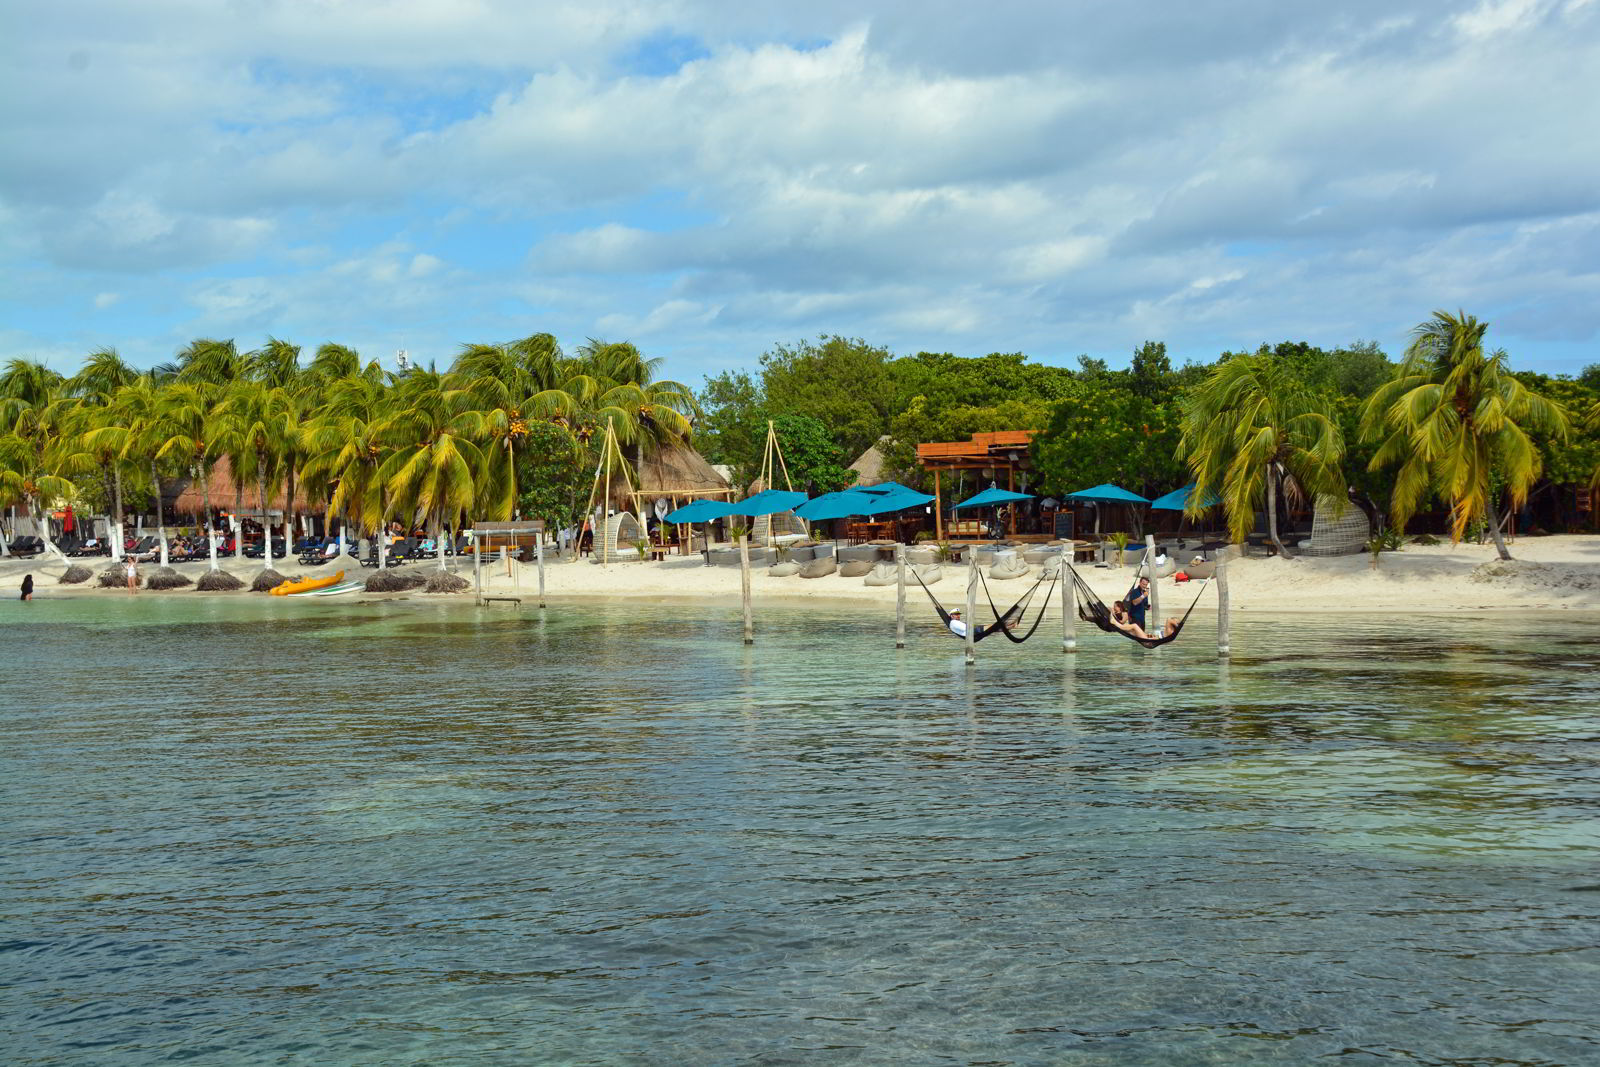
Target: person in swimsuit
x: 1123, y: 620
x: 27, y: 587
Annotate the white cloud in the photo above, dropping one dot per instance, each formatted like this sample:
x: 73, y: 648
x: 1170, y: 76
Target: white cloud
x: 1044, y: 177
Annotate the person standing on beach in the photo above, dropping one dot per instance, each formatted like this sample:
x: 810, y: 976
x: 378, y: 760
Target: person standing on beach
x: 27, y: 587
x: 133, y: 575
x: 1137, y: 600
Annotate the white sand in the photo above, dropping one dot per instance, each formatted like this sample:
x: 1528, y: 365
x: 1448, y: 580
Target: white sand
x: 1548, y: 574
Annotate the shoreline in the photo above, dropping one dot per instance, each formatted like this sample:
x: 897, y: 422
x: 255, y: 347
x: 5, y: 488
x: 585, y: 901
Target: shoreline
x: 1560, y: 573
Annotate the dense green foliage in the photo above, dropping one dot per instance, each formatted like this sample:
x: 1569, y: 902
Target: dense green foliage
x: 516, y: 426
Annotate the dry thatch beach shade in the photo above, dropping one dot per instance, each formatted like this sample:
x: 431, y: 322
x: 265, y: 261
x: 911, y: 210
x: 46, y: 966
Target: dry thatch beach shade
x: 445, y: 582
x: 219, y: 582
x: 394, y: 581
x: 167, y: 578
x: 115, y: 578
x: 266, y: 581
x: 74, y: 574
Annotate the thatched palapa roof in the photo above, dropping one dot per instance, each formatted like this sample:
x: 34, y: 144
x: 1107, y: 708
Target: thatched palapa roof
x: 189, y: 500
x: 676, y: 472
x: 869, y: 465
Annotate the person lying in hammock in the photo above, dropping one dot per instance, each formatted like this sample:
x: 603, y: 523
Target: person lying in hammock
x: 958, y: 626
x: 1124, y: 622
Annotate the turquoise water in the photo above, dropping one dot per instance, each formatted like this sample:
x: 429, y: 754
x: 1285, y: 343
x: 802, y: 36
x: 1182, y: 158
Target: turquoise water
x: 245, y: 832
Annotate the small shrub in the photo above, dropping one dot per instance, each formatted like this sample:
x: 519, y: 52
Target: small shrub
x: 1425, y: 539
x: 75, y: 574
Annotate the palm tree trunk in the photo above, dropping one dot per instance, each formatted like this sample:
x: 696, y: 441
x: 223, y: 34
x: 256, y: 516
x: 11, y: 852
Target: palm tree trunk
x: 161, y: 514
x: 288, y: 512
x: 438, y: 539
x: 41, y: 527
x: 1272, y: 511
x: 266, y: 526
x: 205, y: 494
x: 1494, y: 531
x: 116, y: 528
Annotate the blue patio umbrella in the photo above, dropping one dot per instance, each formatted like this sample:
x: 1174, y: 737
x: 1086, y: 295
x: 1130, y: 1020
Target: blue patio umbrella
x: 840, y: 505
x: 767, y: 502
x: 1107, y: 494
x: 1178, y: 500
x: 991, y: 497
x: 891, y: 496
x: 699, y: 511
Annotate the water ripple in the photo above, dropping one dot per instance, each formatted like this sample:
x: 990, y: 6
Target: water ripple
x: 252, y: 833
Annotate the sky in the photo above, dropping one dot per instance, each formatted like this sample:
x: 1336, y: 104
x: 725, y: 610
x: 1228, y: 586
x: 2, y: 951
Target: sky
x: 711, y: 179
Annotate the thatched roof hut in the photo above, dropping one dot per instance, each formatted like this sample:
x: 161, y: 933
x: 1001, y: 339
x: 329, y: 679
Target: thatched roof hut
x: 676, y: 473
x: 189, y: 501
x: 869, y: 465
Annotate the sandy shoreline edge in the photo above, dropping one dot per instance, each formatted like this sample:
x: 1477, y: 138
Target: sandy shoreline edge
x: 1558, y: 573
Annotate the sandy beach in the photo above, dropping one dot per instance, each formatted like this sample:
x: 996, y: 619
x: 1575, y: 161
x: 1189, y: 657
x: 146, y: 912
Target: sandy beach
x: 1558, y: 573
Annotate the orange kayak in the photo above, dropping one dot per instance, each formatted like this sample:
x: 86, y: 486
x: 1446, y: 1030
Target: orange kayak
x: 305, y: 585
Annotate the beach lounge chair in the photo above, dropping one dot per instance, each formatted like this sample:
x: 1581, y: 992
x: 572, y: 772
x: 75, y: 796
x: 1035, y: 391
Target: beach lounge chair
x: 26, y: 546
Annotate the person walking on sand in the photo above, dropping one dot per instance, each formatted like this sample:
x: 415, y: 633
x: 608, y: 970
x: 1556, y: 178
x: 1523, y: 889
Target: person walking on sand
x: 133, y: 575
x: 27, y: 587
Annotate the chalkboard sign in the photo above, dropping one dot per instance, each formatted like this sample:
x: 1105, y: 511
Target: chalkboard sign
x: 1064, y: 519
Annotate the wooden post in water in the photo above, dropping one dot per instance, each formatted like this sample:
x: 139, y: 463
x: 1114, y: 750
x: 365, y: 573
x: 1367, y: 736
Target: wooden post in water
x: 1223, y: 648
x: 900, y: 597
x: 538, y: 549
x: 1155, y: 592
x: 477, y: 569
x: 744, y: 587
x: 1069, y: 605
x: 972, y: 600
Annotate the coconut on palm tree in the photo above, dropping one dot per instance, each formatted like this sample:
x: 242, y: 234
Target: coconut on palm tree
x: 1453, y: 420
x: 1250, y: 432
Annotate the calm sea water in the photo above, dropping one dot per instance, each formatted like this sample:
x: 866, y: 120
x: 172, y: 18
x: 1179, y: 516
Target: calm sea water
x: 245, y: 832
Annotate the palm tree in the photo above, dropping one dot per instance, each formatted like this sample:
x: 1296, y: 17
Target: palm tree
x: 434, y: 461
x: 277, y: 366
x: 214, y: 362
x: 93, y: 388
x: 1252, y: 430
x: 343, y: 452
x: 1453, y: 419
x: 184, y: 433
x: 252, y: 422
x: 127, y: 431
x: 31, y: 422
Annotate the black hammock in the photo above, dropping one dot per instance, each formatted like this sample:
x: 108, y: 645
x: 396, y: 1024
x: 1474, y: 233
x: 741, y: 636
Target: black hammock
x: 1002, y: 621
x: 1092, y: 609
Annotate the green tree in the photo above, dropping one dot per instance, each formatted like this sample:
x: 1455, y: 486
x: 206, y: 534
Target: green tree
x: 1104, y: 434
x: 813, y: 460
x: 551, y: 474
x: 732, y: 426
x: 1453, y: 420
x: 1253, y: 430
x: 842, y: 383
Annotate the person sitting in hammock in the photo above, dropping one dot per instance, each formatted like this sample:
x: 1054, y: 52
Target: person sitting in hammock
x: 1122, y: 620
x: 958, y: 626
